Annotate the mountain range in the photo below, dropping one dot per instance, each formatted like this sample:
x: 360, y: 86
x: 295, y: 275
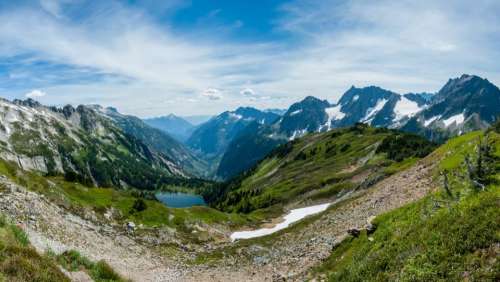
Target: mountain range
x: 91, y: 144
x: 233, y: 141
x: 210, y: 140
x: 319, y: 191
x: 173, y: 125
x: 464, y: 104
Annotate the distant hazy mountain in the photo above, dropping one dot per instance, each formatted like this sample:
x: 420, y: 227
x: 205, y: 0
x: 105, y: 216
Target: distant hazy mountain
x: 160, y: 141
x: 197, y: 120
x: 175, y: 126
x: 212, y: 137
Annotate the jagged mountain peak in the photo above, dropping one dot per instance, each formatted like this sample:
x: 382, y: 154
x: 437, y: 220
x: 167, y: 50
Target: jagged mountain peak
x: 310, y: 103
x: 311, y: 100
x: 366, y: 93
x: 176, y: 126
x: 27, y: 102
x: 463, y: 104
x: 465, y: 82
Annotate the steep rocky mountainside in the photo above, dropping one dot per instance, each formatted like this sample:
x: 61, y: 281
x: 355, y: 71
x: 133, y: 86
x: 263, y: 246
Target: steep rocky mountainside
x: 372, y: 105
x: 173, y: 125
x: 81, y: 143
x: 158, y: 141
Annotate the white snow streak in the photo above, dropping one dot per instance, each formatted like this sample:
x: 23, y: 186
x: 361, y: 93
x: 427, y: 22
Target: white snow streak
x: 373, y: 111
x: 431, y: 120
x: 294, y: 216
x: 334, y: 113
x: 457, y: 119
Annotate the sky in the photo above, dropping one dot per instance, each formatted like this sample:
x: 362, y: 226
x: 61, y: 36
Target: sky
x: 198, y: 57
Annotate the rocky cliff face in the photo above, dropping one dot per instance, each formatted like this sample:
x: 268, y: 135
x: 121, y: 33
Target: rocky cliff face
x: 81, y: 143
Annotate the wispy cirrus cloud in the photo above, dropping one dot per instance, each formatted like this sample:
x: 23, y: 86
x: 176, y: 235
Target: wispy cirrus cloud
x: 403, y: 45
x: 122, y: 55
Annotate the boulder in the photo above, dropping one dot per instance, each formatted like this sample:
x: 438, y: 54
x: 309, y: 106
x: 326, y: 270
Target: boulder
x: 354, y: 232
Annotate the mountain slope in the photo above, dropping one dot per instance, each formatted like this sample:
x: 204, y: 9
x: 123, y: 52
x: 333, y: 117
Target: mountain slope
x: 302, y: 117
x: 320, y: 166
x: 18, y: 259
x: 450, y: 235
x: 80, y: 143
x: 173, y: 125
x: 212, y: 137
x: 245, y: 150
x: 159, y: 141
x: 372, y: 105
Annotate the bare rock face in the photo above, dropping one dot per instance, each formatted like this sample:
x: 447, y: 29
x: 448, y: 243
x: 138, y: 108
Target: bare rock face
x: 71, y: 141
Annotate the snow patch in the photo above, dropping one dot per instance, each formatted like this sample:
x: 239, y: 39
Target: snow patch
x: 297, y: 133
x: 457, y: 119
x: 355, y: 98
x: 371, y: 112
x: 405, y: 108
x: 293, y: 216
x: 431, y: 120
x: 334, y: 113
x: 235, y: 116
x: 296, y: 112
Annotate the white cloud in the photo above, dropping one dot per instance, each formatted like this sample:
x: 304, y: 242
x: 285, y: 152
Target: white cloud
x: 54, y: 7
x: 36, y: 93
x: 212, y: 94
x: 402, y: 45
x: 248, y: 92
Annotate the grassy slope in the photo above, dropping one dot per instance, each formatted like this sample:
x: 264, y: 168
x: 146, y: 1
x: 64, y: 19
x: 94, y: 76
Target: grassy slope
x: 318, y: 166
x: 99, y: 271
x: 440, y: 237
x: 20, y: 262
x: 79, y: 198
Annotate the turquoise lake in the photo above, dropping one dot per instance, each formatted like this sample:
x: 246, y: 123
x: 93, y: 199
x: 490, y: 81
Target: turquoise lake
x: 180, y: 200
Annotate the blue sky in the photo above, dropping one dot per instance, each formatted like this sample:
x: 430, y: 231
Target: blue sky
x: 151, y: 58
